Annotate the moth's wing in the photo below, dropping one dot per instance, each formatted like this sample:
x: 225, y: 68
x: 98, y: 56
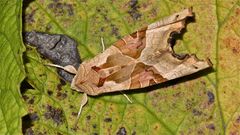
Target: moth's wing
x: 159, y: 53
x: 138, y: 60
x: 107, y: 72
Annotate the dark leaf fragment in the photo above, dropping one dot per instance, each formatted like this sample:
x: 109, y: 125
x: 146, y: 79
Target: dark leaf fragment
x: 60, y: 49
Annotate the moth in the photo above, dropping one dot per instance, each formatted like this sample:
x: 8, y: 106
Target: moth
x: 141, y: 59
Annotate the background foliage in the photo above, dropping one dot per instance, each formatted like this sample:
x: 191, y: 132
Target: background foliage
x: 205, y: 103
x: 11, y: 67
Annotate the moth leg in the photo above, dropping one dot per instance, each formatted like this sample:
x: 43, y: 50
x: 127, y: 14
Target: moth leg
x: 137, y: 35
x: 68, y: 68
x: 126, y: 97
x: 83, y: 102
x: 103, y: 45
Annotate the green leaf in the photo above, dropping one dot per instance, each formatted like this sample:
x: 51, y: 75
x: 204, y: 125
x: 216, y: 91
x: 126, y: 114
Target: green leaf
x: 204, y: 103
x: 11, y: 65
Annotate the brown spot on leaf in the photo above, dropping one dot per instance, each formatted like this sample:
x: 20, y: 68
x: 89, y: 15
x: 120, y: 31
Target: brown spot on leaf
x: 88, y: 117
x: 133, y: 11
x: 31, y: 101
x: 59, y: 9
x: 237, y: 11
x: 122, y: 131
x: 154, y: 12
x: 238, y: 120
x: 210, y: 97
x: 211, y: 126
x: 189, y: 104
x: 29, y: 131
x: 59, y: 87
x: 234, y: 133
x: 41, y: 75
x: 49, y: 92
x: 108, y: 120
x: 200, y: 132
x: 196, y: 112
x: 94, y: 126
x: 115, y: 31
x: 62, y: 82
x: 61, y: 95
x: 74, y: 113
x: 34, y: 116
x: 233, y: 44
x: 29, y: 18
x: 59, y: 133
x: 55, y: 114
x: 178, y: 94
x: 156, y: 127
x: 48, y: 27
x: 25, y: 97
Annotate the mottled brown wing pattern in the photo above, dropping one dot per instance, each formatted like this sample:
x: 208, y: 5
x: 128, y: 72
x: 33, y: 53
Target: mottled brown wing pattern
x: 138, y: 60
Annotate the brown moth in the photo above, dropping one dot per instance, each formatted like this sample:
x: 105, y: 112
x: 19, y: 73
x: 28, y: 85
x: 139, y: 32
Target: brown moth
x: 139, y: 60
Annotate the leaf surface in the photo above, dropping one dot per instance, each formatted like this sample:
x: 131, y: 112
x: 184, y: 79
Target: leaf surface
x: 204, y: 103
x: 11, y: 67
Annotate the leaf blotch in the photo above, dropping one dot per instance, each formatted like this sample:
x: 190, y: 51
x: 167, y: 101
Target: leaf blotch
x: 61, y: 95
x: 122, y: 131
x: 133, y: 11
x: 88, y: 117
x: 29, y: 17
x: 29, y: 131
x: 238, y: 120
x: 31, y: 101
x: 55, y: 114
x: 60, y: 9
x: 196, y: 112
x: 74, y: 113
x: 189, y: 104
x: 108, y: 120
x: 115, y: 31
x: 211, y: 126
x: 34, y: 116
x: 210, y: 97
x: 94, y: 126
x: 49, y: 92
x: 59, y: 86
x: 233, y: 44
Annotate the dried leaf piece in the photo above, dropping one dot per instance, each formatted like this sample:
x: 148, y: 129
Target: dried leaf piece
x: 139, y: 60
x: 60, y: 49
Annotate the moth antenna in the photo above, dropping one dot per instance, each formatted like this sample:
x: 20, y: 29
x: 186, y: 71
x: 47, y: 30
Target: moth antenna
x: 83, y: 102
x: 68, y: 68
x: 126, y: 97
x: 103, y: 45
